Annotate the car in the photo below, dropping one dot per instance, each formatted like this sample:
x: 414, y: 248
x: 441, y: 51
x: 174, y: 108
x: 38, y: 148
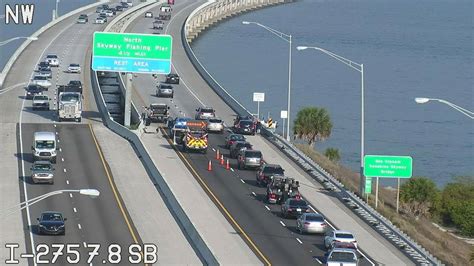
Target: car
x: 348, y: 245
x: 32, y: 90
x: 119, y: 8
x: 164, y: 90
x: 266, y: 171
x: 109, y: 13
x: 42, y: 172
x: 204, y: 113
x: 232, y: 138
x: 294, y: 208
x: 100, y: 20
x: 74, y: 68
x: 75, y: 83
x: 172, y: 78
x: 237, y: 147
x: 99, y: 9
x: 52, y: 60
x: 51, y: 223
x: 342, y: 256
x: 338, y: 236
x: 148, y: 14
x: 41, y: 81
x: 245, y: 127
x: 129, y: 3
x: 114, y: 10
x: 311, y: 223
x: 44, y: 65
x: 249, y: 158
x: 82, y: 19
x: 124, y: 4
x: 40, y: 102
x: 44, y: 72
x: 158, y: 25
x: 215, y: 125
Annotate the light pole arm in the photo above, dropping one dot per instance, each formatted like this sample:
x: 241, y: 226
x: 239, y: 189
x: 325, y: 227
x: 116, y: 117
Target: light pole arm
x: 344, y: 60
x: 9, y: 40
x: 279, y: 34
x: 457, y: 107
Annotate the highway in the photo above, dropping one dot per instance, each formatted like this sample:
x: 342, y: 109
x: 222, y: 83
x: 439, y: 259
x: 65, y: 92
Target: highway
x: 103, y: 220
x: 274, y: 236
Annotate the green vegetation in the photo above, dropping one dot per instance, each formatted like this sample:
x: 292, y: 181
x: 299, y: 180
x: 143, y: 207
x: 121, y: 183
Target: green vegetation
x: 457, y: 206
x: 332, y: 154
x: 419, y: 196
x: 312, y: 124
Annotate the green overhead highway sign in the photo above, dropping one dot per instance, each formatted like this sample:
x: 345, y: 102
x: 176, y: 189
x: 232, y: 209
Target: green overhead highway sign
x: 388, y: 166
x: 131, y: 52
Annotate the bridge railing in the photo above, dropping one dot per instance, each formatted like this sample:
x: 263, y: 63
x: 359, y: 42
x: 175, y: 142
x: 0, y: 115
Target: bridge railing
x: 381, y: 224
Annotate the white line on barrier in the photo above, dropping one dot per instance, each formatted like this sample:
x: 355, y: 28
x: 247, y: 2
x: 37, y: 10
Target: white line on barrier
x: 266, y: 207
x: 282, y: 223
x: 67, y: 182
x: 253, y: 193
x: 241, y: 180
x: 297, y: 239
x: 79, y: 225
x: 74, y: 209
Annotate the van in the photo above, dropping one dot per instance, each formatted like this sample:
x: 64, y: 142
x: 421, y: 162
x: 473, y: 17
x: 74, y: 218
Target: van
x: 44, y: 146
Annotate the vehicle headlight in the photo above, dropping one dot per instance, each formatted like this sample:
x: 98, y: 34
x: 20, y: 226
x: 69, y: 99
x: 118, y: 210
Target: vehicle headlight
x: 41, y: 225
x: 53, y: 152
x: 37, y: 152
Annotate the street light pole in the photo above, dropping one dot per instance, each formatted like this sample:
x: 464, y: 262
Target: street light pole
x: 17, y: 38
x: 458, y: 108
x: 360, y: 68
x: 288, y: 39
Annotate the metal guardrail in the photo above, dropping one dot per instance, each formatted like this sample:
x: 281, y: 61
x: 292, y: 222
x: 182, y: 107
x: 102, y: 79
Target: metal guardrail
x: 190, y: 232
x: 381, y: 224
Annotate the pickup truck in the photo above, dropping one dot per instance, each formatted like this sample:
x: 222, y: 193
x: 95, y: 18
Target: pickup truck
x: 157, y: 112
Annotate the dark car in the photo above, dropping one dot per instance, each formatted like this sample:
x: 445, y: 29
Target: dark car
x: 75, y: 83
x: 124, y: 5
x: 44, y: 66
x: 172, y: 78
x: 245, y: 127
x: 266, y: 171
x: 294, y: 208
x: 119, y: 8
x: 237, y: 146
x: 249, y: 158
x: 32, y: 90
x: 232, y: 138
x: 51, y: 223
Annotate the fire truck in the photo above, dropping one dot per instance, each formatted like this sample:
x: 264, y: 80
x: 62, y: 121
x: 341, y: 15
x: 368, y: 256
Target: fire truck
x: 282, y: 188
x: 195, y: 138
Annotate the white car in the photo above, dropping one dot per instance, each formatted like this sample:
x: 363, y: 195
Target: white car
x: 342, y: 257
x: 215, y: 125
x: 41, y: 81
x: 148, y: 15
x: 100, y: 20
x: 52, y: 59
x: 109, y: 13
x: 338, y: 236
x: 74, y: 68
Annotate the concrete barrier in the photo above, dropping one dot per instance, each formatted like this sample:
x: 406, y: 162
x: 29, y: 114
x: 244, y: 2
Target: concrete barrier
x: 27, y: 42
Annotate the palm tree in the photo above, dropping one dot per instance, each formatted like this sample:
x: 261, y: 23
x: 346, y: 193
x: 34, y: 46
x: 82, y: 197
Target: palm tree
x: 312, y: 124
x: 332, y: 154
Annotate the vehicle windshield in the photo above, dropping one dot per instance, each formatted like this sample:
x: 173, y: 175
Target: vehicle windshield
x: 298, y: 203
x: 40, y: 78
x: 41, y: 97
x: 74, y: 65
x: 42, y: 166
x: 207, y: 110
x: 75, y: 82
x: 237, y: 137
x: 52, y: 217
x: 69, y: 98
x: 314, y: 218
x: 253, y: 154
x: 45, y: 144
x: 51, y: 56
x: 33, y: 88
x: 246, y: 123
x: 342, y: 257
x: 273, y: 170
x: 215, y: 121
x: 344, y: 235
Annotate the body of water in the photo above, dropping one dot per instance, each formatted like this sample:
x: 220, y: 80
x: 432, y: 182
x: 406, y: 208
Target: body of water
x: 42, y: 15
x: 409, y: 49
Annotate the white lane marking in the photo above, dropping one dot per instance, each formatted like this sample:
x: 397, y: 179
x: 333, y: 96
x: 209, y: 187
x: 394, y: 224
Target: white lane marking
x: 70, y: 195
x: 85, y: 245
x: 232, y: 169
x: 79, y: 225
x: 213, y: 149
x: 67, y: 182
x: 74, y: 209
x: 241, y: 180
x: 54, y: 125
x: 12, y: 87
x: 253, y: 193
x: 297, y: 239
x: 318, y: 260
x: 282, y: 223
x: 266, y: 207
x: 59, y: 141
x: 64, y: 170
x: 60, y: 149
x: 57, y: 133
x: 62, y: 159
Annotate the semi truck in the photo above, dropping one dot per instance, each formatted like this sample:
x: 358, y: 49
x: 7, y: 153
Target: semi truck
x: 69, y: 102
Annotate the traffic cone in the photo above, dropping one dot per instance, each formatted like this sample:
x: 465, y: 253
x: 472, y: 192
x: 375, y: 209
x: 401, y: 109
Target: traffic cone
x: 227, y: 166
x: 209, y: 166
x: 222, y: 159
x: 217, y: 155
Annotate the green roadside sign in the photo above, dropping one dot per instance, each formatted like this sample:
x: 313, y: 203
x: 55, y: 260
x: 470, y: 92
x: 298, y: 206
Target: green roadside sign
x: 131, y: 52
x: 368, y: 184
x: 386, y: 166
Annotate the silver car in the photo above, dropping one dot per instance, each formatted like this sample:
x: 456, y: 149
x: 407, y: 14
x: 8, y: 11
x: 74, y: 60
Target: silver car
x: 249, y: 158
x: 338, y: 236
x: 42, y: 172
x: 311, y: 223
x: 41, y: 81
x: 342, y: 257
x: 164, y: 90
x: 215, y: 125
x: 40, y: 102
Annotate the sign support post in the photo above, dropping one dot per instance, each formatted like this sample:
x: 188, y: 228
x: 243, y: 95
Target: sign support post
x: 128, y: 99
x: 258, y: 110
x: 284, y: 116
x: 376, y: 192
x: 398, y: 193
x: 258, y: 97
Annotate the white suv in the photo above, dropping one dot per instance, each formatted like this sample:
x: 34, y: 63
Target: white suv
x: 74, y: 68
x: 52, y: 59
